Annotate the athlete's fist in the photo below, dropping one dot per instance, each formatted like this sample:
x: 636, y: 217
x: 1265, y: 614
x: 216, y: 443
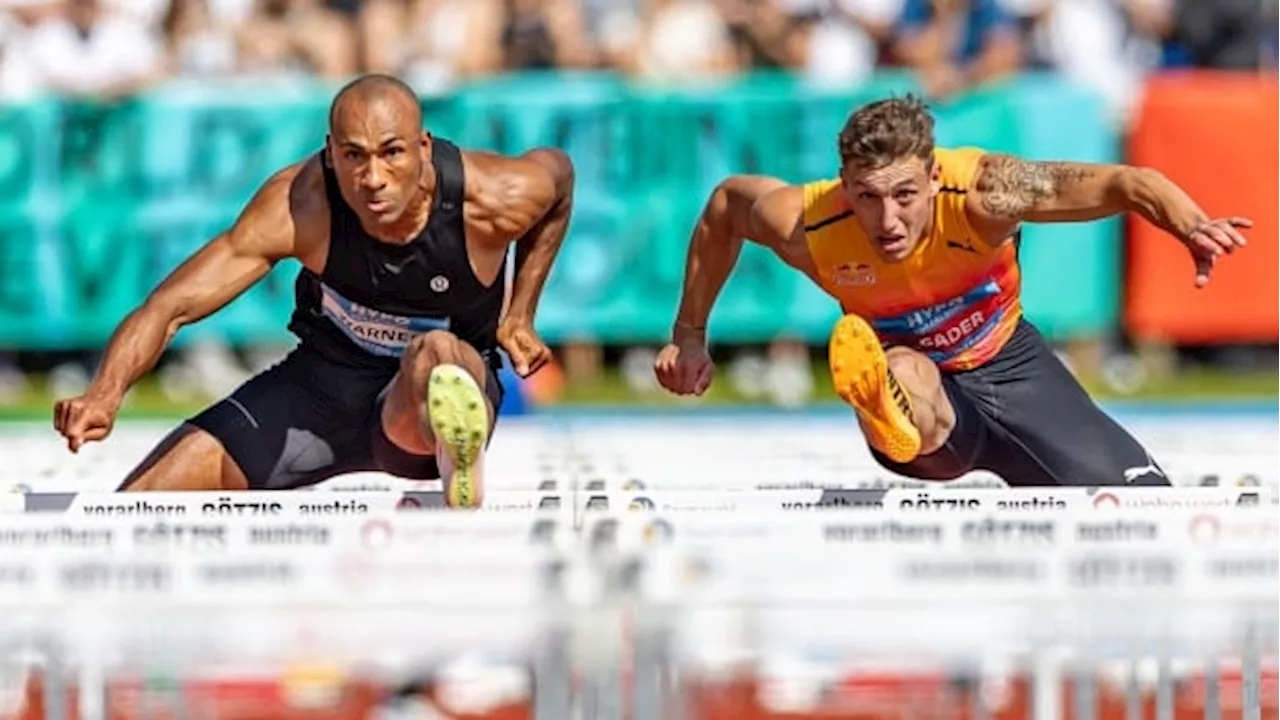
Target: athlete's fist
x: 685, y: 368
x: 1210, y: 239
x: 527, y: 351
x: 87, y: 418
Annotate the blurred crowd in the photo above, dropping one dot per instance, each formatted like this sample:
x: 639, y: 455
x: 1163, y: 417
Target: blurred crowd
x: 113, y: 47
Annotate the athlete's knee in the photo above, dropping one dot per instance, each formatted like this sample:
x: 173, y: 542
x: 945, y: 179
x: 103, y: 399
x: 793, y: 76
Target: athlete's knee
x: 931, y: 410
x: 440, y: 347
x: 916, y: 372
x: 431, y: 347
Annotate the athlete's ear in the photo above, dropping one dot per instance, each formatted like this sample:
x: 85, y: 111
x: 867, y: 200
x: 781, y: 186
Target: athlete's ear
x: 935, y: 174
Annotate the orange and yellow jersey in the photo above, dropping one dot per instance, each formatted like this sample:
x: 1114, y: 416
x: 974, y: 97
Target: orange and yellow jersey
x: 955, y: 298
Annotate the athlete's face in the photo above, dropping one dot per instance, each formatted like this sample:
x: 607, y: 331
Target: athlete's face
x: 893, y: 204
x: 378, y: 150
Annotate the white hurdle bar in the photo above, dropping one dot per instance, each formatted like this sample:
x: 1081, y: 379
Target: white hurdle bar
x: 588, y: 591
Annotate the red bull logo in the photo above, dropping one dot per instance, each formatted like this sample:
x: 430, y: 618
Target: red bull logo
x: 847, y: 274
x: 1208, y: 530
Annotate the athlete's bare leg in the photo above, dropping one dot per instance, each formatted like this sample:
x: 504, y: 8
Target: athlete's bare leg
x: 186, y: 459
x: 931, y: 410
x: 437, y: 406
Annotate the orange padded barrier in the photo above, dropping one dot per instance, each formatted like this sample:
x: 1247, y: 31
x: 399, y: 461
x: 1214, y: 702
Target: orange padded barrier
x: 1215, y: 134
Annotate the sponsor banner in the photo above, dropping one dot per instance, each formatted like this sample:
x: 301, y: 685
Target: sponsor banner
x: 1234, y: 529
x: 912, y: 579
x: 1123, y: 570
x: 1229, y: 556
x: 1126, y: 530
x: 44, y: 533
x: 1182, y: 498
x: 743, y: 502
x: 1238, y: 576
x: 306, y: 504
x: 425, y: 534
x: 878, y: 480
x: 936, y: 501
x: 1245, y: 539
x: 887, y: 531
x: 491, y: 575
x: 1186, y: 531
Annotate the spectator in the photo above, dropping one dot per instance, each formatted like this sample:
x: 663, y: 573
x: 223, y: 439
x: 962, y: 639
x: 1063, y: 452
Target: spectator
x: 542, y: 35
x: 1222, y: 34
x: 1271, y: 36
x: 20, y: 77
x: 612, y: 26
x: 197, y: 44
x: 150, y: 13
x: 839, y: 42
x: 84, y: 51
x: 681, y: 40
x: 956, y: 45
x: 764, y: 34
x: 432, y: 43
x: 1099, y: 44
x: 297, y: 37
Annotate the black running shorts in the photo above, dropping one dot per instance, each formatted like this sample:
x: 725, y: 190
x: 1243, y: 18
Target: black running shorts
x: 307, y: 419
x: 1024, y: 417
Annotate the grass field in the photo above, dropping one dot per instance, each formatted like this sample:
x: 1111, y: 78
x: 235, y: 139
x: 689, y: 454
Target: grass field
x: 148, y: 401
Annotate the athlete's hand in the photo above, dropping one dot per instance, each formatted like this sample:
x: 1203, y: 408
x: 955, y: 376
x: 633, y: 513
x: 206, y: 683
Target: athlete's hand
x: 685, y: 368
x: 528, y: 352
x: 87, y: 418
x: 1210, y: 239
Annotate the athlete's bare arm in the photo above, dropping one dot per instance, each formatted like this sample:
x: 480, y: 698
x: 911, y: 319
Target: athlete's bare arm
x: 527, y: 200
x: 266, y: 231
x: 1009, y: 190
x: 759, y: 208
x: 743, y: 207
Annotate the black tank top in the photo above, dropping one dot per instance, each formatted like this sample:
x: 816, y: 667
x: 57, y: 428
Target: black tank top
x: 373, y: 298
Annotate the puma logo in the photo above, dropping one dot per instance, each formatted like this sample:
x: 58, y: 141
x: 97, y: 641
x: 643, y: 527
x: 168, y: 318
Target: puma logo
x: 961, y: 246
x: 1133, y: 473
x: 899, y: 396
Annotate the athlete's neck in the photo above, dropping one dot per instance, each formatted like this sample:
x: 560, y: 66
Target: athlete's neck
x: 416, y: 214
x: 930, y: 222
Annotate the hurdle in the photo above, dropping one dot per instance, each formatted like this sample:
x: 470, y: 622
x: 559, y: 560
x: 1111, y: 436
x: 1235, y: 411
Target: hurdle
x: 1058, y: 605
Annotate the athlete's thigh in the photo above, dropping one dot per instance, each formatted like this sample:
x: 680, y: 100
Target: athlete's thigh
x: 964, y: 445
x: 1047, y: 431
x: 295, y: 424
x: 390, y: 457
x: 188, y: 458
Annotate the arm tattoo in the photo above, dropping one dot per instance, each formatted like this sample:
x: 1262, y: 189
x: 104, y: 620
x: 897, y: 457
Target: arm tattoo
x: 1011, y: 187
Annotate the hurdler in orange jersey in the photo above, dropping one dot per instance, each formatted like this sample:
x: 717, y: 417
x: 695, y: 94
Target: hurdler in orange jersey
x: 919, y: 246
x: 954, y: 297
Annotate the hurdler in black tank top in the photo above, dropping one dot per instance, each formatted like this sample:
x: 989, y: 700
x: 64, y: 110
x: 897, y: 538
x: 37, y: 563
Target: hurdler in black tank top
x: 373, y: 297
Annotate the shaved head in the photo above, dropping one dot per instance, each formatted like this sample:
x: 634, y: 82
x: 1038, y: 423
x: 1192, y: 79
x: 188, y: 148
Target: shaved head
x: 380, y: 153
x: 369, y: 90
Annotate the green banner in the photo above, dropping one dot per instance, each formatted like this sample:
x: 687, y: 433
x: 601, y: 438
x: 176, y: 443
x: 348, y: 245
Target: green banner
x: 99, y: 202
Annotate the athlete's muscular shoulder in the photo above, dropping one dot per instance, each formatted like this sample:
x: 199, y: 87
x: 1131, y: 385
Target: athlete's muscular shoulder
x: 282, y: 220
x: 777, y: 219
x: 763, y: 209
x: 287, y: 217
x: 507, y: 195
